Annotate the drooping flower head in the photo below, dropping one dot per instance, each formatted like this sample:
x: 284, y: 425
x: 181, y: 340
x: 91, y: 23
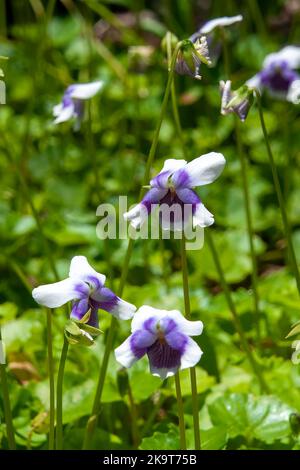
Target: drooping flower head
x: 165, y: 337
x: 173, y: 188
x: 211, y: 29
x: 278, y: 75
x: 72, y: 104
x: 85, y: 287
x: 238, y: 101
x: 193, y: 52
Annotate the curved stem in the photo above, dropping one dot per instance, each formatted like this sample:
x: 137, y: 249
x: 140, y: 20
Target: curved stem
x: 6, y: 400
x: 59, y: 395
x: 51, y: 380
x: 92, y: 421
x: 255, y: 366
x: 245, y: 185
x: 187, y: 308
x: 180, y: 412
x: 286, y: 224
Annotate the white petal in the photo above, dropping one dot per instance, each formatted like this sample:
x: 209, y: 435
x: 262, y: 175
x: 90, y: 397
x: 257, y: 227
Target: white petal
x: 57, y: 109
x: 66, y: 113
x: 187, y: 327
x: 209, y: 26
x: 124, y: 354
x: 254, y: 82
x: 202, y: 217
x: 294, y: 92
x: 173, y: 164
x: 123, y: 310
x: 137, y: 215
x: 163, y: 373
x: 56, y: 294
x: 142, y: 315
x: 191, y: 355
x: 289, y: 54
x: 81, y: 269
x: 205, y: 169
x: 85, y: 91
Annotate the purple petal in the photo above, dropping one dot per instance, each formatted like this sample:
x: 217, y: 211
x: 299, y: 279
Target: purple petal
x: 188, y: 196
x: 140, y: 341
x: 163, y: 356
x: 79, y: 309
x: 105, y: 298
x: 278, y: 76
x: 153, y: 196
x: 161, y: 180
x: 177, y: 340
x: 180, y: 178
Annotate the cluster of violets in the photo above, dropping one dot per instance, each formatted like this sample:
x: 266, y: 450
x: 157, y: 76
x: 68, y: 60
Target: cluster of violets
x: 165, y: 336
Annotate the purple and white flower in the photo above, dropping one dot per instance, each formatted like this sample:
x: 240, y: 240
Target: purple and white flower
x: 85, y: 287
x: 172, y: 189
x: 238, y: 101
x: 214, y: 40
x: 211, y: 25
x: 72, y: 104
x: 278, y: 75
x: 165, y: 336
x: 193, y: 52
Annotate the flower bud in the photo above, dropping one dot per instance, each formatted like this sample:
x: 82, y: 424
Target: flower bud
x: 238, y: 102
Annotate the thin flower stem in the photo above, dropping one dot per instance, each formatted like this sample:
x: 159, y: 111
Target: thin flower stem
x: 180, y: 412
x: 18, y: 271
x: 257, y: 17
x: 284, y: 216
x: 245, y: 185
x: 186, y: 294
x: 225, y: 53
x: 134, y: 425
x: 255, y: 366
x: 26, y: 193
x: 59, y: 396
x: 92, y: 421
x: 51, y: 380
x: 6, y: 400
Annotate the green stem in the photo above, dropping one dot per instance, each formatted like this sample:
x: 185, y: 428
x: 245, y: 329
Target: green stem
x: 187, y: 308
x: 133, y: 413
x: 257, y: 17
x: 245, y: 185
x: 180, y: 412
x: 174, y: 99
x: 35, y: 215
x: 285, y: 220
x: 59, y: 396
x: 51, y: 380
x: 6, y: 399
x: 92, y: 421
x: 225, y: 53
x: 255, y: 366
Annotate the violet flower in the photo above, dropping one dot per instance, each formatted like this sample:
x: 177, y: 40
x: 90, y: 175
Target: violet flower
x: 85, y: 287
x: 173, y: 187
x: 72, y: 104
x: 165, y: 336
x: 278, y: 75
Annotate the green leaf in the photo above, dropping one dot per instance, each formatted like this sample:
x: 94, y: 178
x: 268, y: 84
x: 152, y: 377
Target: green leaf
x: 162, y: 440
x: 265, y: 418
